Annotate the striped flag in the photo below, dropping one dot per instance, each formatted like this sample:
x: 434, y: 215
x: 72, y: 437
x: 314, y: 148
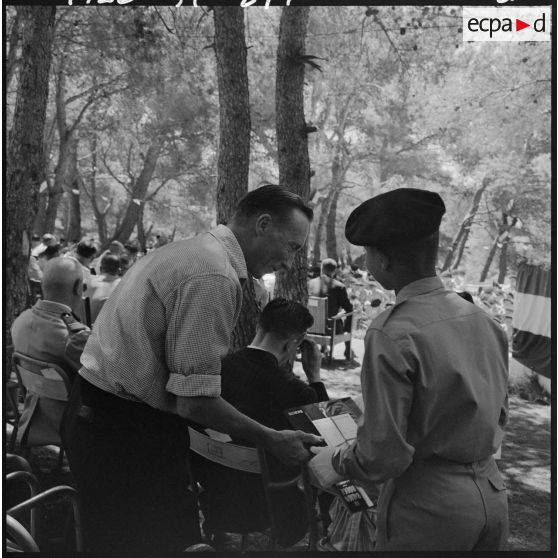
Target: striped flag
x: 531, y: 319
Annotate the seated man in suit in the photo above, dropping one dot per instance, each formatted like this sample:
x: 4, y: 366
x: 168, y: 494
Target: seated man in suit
x: 258, y: 380
x: 50, y: 330
x: 337, y: 298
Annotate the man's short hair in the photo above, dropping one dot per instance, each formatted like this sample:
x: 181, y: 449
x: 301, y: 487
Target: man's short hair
x: 86, y: 249
x: 285, y: 318
x: 110, y: 264
x: 272, y: 199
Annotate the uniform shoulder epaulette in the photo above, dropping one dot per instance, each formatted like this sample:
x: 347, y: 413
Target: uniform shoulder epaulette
x: 72, y: 323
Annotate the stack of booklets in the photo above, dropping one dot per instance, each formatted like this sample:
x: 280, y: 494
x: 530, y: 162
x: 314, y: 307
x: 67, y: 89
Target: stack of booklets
x: 336, y: 421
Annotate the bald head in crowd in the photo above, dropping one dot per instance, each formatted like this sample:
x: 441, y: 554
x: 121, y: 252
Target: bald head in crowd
x: 63, y: 282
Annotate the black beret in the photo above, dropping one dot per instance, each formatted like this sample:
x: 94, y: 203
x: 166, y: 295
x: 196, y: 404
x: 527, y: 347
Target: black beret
x: 395, y: 217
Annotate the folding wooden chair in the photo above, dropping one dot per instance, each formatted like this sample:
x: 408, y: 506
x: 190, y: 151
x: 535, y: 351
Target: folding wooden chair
x: 323, y: 330
x: 251, y: 460
x: 46, y: 387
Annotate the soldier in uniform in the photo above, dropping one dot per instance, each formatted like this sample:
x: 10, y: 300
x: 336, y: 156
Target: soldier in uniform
x: 51, y: 329
x: 434, y: 385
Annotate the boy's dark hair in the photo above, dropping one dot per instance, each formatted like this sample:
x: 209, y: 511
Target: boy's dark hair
x: 272, y: 199
x: 285, y: 318
x: 86, y: 249
x: 110, y: 264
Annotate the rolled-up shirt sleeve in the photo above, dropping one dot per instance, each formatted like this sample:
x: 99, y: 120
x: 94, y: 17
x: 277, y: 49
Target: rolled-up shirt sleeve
x: 200, y: 324
x: 380, y: 451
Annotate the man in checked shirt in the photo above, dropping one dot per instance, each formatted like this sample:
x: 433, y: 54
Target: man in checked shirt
x: 153, y: 361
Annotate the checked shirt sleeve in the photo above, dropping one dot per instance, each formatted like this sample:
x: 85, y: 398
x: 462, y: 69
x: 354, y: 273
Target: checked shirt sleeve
x: 202, y: 315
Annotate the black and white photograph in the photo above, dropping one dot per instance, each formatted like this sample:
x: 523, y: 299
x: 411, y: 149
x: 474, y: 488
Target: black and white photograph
x: 278, y: 277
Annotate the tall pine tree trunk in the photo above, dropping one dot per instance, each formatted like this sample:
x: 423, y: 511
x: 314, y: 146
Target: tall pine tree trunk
x: 24, y: 157
x: 234, y: 109
x: 234, y: 142
x: 292, y: 133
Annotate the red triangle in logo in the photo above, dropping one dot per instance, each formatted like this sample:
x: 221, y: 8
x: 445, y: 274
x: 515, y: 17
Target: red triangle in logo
x: 519, y: 25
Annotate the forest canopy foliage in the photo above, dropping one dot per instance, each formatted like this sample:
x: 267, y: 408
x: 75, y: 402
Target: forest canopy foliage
x: 393, y: 97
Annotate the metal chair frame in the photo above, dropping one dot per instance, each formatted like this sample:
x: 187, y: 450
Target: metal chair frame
x: 31, y: 377
x: 252, y: 460
x: 318, y: 332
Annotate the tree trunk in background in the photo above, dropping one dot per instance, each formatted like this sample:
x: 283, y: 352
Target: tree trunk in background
x: 331, y: 233
x: 234, y: 109
x: 489, y: 259
x: 500, y: 241
x: 11, y: 56
x: 503, y: 264
x: 317, y: 252
x: 73, y: 191
x: 139, y: 190
x: 234, y: 142
x: 24, y: 153
x: 460, y: 239
x: 292, y: 135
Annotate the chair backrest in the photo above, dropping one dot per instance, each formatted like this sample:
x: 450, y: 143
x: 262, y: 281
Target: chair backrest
x: 45, y: 379
x: 317, y: 306
x: 47, y: 389
x: 227, y: 454
x: 250, y: 460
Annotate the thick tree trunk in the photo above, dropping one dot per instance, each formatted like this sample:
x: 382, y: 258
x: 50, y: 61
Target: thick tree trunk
x: 234, y: 142
x: 139, y: 191
x: 331, y: 225
x: 292, y: 133
x: 234, y: 109
x: 24, y: 157
x: 460, y: 239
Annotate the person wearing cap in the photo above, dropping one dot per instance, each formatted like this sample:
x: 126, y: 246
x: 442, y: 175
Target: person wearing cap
x: 434, y: 385
x: 337, y: 298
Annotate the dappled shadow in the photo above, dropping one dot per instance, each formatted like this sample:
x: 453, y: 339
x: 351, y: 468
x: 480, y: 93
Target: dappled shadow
x: 525, y: 466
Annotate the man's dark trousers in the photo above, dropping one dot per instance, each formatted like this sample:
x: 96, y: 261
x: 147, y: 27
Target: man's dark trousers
x: 129, y: 463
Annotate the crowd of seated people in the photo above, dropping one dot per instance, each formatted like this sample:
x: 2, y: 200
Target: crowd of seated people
x: 258, y: 380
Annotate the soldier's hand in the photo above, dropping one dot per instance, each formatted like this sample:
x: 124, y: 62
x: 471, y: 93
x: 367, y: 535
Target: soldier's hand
x: 292, y: 446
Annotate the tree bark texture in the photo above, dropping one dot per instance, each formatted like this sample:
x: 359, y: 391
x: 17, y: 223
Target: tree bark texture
x: 292, y: 134
x: 234, y: 109
x: 73, y: 190
x: 317, y: 251
x: 139, y: 191
x: 24, y: 157
x: 460, y: 239
x: 234, y: 142
x: 331, y: 232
